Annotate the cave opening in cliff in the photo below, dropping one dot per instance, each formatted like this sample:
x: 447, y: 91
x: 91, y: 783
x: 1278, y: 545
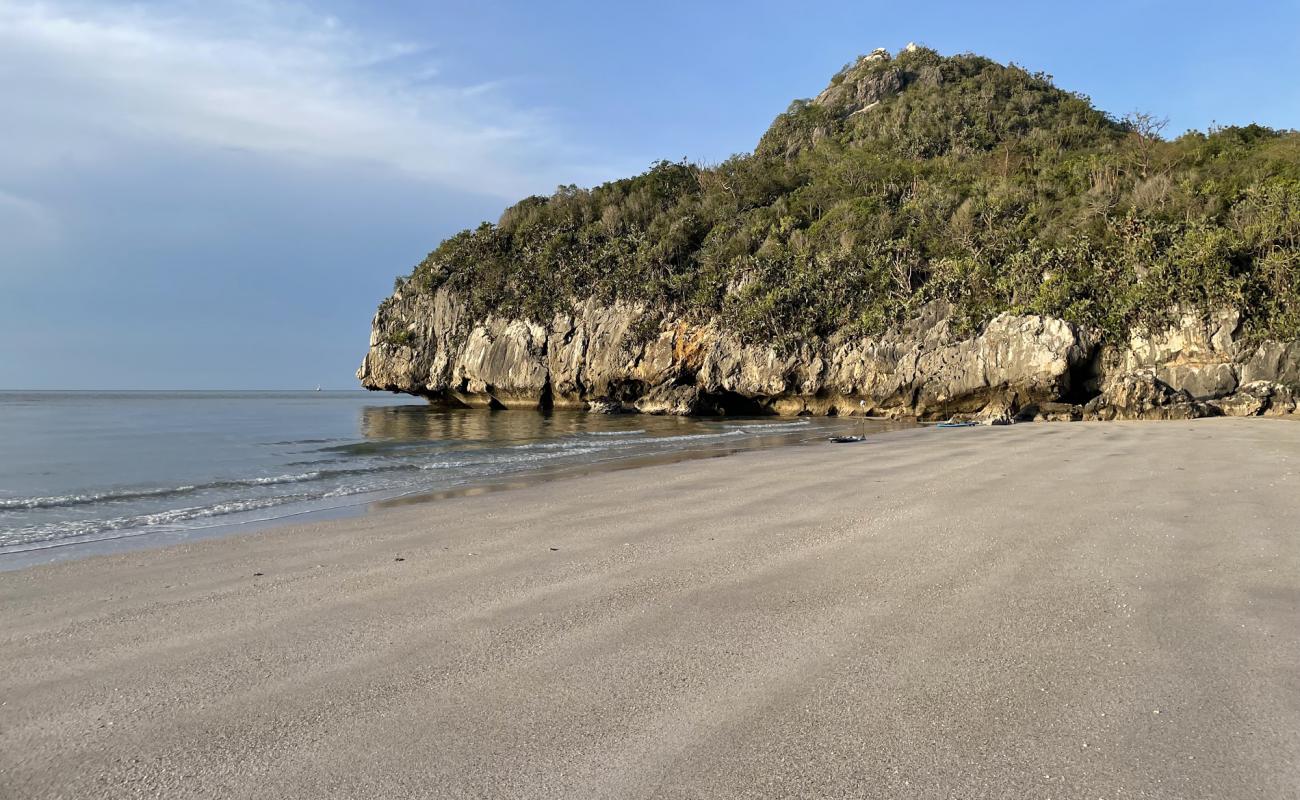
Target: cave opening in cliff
x: 1084, y: 378
x: 730, y: 404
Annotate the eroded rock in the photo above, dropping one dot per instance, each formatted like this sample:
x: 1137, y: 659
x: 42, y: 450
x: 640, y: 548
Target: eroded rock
x: 1259, y: 398
x: 625, y: 357
x: 1142, y: 395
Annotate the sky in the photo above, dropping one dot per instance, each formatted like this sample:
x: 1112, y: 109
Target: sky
x: 203, y: 195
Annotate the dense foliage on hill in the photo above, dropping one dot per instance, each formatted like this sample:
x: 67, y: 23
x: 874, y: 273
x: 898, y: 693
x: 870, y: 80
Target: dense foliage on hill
x: 911, y: 178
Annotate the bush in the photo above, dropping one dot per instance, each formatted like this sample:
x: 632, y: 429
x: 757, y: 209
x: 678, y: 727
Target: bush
x: 401, y: 338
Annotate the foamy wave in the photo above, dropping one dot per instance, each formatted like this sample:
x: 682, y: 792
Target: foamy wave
x: 89, y: 498
x: 690, y: 437
x: 124, y: 495
x: 523, y: 458
x: 299, y: 478
x: 51, y: 534
x: 771, y: 426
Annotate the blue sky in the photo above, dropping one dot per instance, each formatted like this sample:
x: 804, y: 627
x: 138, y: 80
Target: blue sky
x: 216, y: 194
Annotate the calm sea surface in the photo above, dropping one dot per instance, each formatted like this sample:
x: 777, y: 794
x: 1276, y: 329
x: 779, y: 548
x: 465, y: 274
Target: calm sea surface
x: 79, y: 467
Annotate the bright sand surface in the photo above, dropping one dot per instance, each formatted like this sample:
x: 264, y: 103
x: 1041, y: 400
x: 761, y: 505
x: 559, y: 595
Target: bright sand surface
x: 1056, y: 610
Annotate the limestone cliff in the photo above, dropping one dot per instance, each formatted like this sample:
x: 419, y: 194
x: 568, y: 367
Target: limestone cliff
x: 625, y: 357
x: 1201, y: 366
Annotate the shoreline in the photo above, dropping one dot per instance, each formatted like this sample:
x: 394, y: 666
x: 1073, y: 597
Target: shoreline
x: 148, y: 538
x: 1091, y: 609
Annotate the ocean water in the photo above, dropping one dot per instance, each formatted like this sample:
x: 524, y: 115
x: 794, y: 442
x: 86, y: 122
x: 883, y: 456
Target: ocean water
x: 83, y: 467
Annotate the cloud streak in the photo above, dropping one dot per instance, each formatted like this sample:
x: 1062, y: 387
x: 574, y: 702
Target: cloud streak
x: 83, y: 80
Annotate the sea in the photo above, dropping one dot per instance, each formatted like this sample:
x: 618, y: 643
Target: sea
x: 85, y: 472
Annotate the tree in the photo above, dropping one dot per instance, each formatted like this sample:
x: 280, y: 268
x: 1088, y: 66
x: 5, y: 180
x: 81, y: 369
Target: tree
x: 1145, y: 130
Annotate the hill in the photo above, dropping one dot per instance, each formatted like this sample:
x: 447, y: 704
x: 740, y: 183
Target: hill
x: 913, y: 180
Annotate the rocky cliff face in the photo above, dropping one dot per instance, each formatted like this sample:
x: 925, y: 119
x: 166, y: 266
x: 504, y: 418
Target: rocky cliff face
x: 1199, y: 367
x: 628, y: 358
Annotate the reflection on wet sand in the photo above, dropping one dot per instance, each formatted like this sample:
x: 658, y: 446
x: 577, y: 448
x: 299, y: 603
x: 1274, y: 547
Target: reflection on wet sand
x: 493, y: 428
x: 426, y: 422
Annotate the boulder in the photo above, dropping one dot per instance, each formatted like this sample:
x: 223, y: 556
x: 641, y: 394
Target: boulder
x: 1257, y: 398
x: 604, y: 406
x: 1052, y: 412
x: 1141, y: 395
x: 1275, y: 362
x: 673, y: 400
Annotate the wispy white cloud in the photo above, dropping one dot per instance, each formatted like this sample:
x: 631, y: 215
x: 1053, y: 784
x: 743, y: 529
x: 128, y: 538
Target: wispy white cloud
x: 81, y: 79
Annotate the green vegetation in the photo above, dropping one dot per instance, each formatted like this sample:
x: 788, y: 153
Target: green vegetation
x: 910, y: 179
x: 400, y: 338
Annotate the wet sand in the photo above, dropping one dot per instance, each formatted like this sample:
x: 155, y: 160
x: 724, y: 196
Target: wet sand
x: 1071, y: 610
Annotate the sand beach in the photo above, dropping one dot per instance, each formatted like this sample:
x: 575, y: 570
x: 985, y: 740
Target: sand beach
x: 1084, y: 610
